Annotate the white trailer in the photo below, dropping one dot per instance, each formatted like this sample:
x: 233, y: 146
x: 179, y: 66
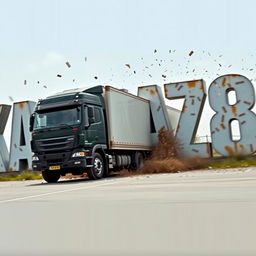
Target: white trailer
x: 128, y: 118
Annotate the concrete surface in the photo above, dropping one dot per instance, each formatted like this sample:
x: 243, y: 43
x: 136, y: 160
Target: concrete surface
x: 193, y: 213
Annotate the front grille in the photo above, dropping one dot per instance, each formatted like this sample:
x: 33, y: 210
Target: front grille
x: 54, y: 144
x: 54, y: 161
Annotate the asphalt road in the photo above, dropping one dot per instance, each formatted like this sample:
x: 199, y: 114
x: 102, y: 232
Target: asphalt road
x: 197, y: 213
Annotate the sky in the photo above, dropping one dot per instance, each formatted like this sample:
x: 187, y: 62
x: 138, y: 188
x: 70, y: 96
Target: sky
x: 98, y: 38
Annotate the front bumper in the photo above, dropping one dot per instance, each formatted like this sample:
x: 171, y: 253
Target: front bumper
x: 61, y: 162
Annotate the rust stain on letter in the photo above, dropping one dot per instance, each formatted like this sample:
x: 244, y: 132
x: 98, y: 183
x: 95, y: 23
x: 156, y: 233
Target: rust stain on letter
x: 21, y: 105
x: 229, y: 149
x: 240, y: 82
x: 224, y: 82
x: 224, y: 109
x: 165, y: 91
x: 222, y: 126
x: 152, y: 92
x: 234, y: 110
x: 191, y: 84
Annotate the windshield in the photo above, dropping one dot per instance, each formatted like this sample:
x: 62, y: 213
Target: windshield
x: 64, y: 117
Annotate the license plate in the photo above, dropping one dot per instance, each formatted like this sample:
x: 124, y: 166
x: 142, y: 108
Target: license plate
x: 54, y: 167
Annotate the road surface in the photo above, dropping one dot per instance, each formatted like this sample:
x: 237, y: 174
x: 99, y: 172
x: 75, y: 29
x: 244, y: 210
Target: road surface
x: 197, y: 213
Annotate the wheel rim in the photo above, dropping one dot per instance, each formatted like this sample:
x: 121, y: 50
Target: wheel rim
x: 98, y: 166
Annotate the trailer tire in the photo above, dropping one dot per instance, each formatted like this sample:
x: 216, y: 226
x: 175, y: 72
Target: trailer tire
x: 97, y: 170
x: 138, y: 160
x: 51, y: 176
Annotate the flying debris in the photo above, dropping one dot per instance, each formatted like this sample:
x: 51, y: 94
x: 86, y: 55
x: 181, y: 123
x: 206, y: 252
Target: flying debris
x: 73, y: 80
x: 128, y: 65
x: 38, y: 82
x: 220, y: 65
x: 59, y: 75
x: 68, y: 64
x: 11, y: 98
x: 134, y: 72
x: 25, y: 82
x: 155, y: 51
x: 85, y: 59
x: 229, y: 66
x: 150, y: 75
x: 190, y: 54
x: 220, y: 56
x: 193, y: 70
x: 170, y: 51
x: 45, y: 86
x: 164, y: 76
x: 251, y: 69
x: 95, y: 77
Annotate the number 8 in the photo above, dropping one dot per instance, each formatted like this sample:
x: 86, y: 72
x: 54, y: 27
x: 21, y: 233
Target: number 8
x: 225, y: 113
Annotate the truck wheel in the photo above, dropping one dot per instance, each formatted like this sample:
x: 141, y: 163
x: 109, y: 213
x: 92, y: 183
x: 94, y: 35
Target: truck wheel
x: 51, y: 176
x: 138, y: 160
x: 98, y: 168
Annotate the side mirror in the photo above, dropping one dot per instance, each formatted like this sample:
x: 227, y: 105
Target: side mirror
x: 31, y: 122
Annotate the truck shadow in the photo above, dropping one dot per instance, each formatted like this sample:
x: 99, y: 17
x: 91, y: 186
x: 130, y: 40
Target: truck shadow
x: 71, y: 181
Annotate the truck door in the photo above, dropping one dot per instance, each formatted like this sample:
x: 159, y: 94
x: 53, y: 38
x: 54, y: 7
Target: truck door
x: 96, y: 130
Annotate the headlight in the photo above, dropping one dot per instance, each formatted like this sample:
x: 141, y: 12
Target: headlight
x: 78, y: 154
x: 35, y: 158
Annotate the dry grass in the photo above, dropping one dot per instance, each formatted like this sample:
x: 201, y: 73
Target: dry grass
x: 21, y: 176
x: 165, y: 158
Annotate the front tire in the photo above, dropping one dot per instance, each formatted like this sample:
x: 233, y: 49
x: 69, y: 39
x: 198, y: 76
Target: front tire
x: 51, y: 176
x: 98, y: 167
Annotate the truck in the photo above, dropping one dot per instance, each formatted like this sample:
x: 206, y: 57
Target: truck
x: 90, y: 130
